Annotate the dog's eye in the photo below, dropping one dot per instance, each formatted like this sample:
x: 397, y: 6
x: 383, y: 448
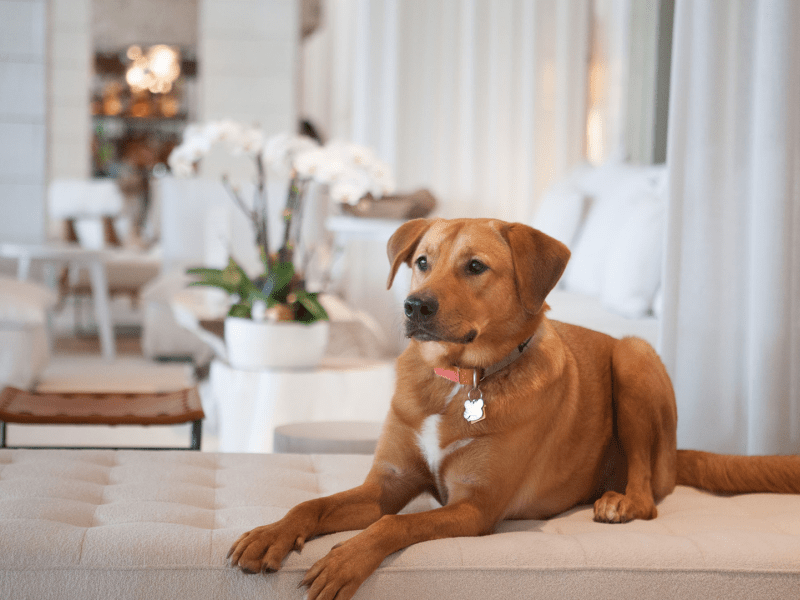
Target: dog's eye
x: 476, y: 267
x: 422, y: 263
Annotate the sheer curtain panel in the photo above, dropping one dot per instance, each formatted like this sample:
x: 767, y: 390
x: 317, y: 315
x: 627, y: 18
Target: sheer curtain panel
x: 731, y: 327
x: 482, y: 101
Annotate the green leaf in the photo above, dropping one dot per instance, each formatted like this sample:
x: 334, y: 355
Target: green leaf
x: 221, y: 286
x: 279, y: 280
x: 232, y: 279
x: 203, y: 271
x: 213, y: 278
x: 310, y: 302
x: 264, y: 258
x: 234, y: 274
x: 267, y: 299
x: 242, y: 310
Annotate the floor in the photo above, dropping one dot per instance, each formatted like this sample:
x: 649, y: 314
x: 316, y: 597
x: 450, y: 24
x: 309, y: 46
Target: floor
x: 76, y: 365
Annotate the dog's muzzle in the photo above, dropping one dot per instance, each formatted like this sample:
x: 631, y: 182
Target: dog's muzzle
x: 421, y: 325
x: 420, y: 309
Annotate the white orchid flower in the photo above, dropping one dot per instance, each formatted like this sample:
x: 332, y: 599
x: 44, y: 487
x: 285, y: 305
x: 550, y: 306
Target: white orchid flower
x: 281, y: 151
x: 351, y: 188
x: 182, y: 160
x: 349, y: 170
x: 252, y: 141
x: 320, y: 164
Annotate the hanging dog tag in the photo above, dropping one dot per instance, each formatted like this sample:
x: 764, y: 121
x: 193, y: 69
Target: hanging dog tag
x: 473, y: 407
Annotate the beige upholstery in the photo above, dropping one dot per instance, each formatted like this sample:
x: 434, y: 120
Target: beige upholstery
x: 152, y: 525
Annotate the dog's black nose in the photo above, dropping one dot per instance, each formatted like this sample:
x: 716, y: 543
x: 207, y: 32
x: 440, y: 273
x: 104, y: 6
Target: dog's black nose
x: 420, y: 309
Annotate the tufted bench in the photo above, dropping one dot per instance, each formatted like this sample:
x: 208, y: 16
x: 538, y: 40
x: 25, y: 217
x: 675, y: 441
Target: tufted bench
x: 135, y: 524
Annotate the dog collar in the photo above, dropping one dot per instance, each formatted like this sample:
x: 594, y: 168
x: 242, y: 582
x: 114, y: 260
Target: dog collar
x: 473, y: 405
x: 466, y: 376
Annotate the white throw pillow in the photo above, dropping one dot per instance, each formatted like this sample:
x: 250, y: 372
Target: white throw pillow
x: 610, y: 206
x: 565, y: 205
x: 562, y: 212
x: 632, y: 273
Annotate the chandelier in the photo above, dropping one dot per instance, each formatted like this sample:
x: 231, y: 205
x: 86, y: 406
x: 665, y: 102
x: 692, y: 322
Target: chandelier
x: 154, y: 70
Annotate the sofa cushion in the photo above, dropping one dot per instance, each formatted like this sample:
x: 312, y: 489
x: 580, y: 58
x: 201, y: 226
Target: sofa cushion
x: 562, y: 211
x: 589, y: 312
x: 24, y: 348
x: 632, y: 272
x: 611, y: 203
x: 134, y: 524
x: 617, y: 252
x: 23, y: 303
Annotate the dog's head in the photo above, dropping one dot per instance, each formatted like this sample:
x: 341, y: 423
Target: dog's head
x: 478, y: 286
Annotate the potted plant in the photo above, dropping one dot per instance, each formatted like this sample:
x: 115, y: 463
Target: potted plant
x: 274, y: 320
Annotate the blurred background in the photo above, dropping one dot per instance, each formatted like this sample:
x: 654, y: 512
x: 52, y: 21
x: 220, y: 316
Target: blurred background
x: 656, y: 138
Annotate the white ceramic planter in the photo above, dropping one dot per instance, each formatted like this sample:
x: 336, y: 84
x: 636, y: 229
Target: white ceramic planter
x: 254, y: 346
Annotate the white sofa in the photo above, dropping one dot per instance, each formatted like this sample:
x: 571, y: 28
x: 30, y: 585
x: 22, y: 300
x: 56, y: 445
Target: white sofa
x: 24, y: 344
x: 613, y: 219
x: 156, y: 525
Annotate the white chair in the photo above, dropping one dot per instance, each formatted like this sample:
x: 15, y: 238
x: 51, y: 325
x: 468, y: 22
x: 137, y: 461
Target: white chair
x: 88, y: 206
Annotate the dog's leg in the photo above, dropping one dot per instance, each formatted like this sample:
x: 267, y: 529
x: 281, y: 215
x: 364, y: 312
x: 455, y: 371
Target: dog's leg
x: 386, y: 490
x: 340, y: 573
x: 646, y: 419
x: 264, y: 548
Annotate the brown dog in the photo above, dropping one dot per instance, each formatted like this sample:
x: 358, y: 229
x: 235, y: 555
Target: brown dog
x: 500, y: 413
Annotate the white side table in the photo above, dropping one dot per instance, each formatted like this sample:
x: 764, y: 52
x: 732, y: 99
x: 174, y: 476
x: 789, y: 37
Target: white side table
x: 328, y: 437
x: 250, y: 404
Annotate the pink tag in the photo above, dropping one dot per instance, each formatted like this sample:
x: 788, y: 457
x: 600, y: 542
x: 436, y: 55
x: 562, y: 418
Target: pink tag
x: 451, y: 375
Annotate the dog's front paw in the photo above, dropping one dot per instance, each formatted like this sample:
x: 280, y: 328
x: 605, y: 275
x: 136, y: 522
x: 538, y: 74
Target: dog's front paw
x: 263, y: 549
x: 614, y: 507
x: 339, y: 573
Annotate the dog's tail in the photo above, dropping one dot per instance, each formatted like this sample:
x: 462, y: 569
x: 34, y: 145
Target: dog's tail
x: 726, y: 473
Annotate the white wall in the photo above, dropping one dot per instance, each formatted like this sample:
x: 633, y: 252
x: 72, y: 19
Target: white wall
x: 70, y: 67
x: 116, y: 24
x: 247, y: 59
x: 23, y: 33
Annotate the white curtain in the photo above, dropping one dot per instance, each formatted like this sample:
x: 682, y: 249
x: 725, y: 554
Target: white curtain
x: 731, y: 327
x: 482, y: 101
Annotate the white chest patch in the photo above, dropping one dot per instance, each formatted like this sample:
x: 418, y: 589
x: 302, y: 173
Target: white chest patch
x: 429, y: 442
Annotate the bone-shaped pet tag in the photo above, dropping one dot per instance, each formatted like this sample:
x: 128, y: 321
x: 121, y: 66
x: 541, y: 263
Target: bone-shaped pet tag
x: 473, y: 407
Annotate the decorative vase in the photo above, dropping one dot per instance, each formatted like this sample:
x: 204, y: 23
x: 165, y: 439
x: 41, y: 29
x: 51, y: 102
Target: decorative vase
x: 254, y: 345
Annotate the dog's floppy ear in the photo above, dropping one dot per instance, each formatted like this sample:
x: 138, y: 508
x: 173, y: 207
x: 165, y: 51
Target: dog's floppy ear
x: 403, y: 243
x: 539, y: 261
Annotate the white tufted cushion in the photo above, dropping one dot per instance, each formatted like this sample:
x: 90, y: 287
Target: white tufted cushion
x: 23, y: 303
x: 24, y: 350
x: 152, y: 525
